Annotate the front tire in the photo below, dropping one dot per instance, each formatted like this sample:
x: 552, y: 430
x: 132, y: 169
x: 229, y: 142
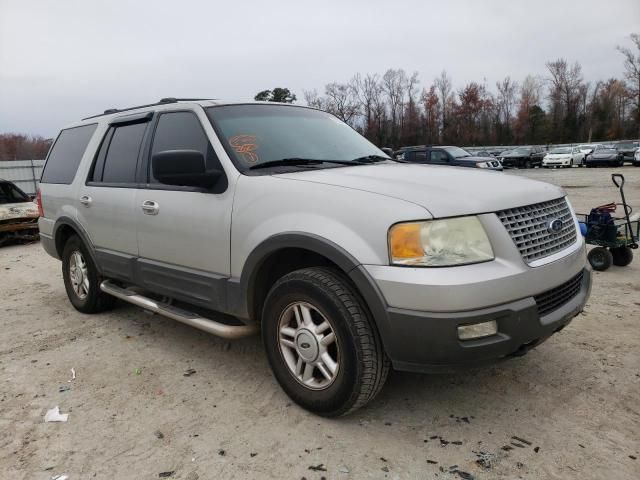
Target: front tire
x: 322, y: 346
x: 82, y: 280
x: 600, y: 258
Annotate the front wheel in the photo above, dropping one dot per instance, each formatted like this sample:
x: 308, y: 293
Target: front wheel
x: 600, y: 258
x: 321, y: 344
x: 527, y: 164
x: 82, y: 280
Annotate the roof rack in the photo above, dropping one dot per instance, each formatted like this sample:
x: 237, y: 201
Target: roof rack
x: 162, y: 101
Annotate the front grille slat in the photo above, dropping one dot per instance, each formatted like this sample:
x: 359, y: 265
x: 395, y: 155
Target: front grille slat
x: 527, y: 227
x: 553, y: 299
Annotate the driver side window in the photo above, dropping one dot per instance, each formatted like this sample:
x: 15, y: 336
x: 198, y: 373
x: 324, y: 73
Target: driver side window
x: 438, y: 156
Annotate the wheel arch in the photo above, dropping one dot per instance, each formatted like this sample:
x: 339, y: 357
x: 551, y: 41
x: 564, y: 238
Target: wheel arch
x: 286, y: 252
x: 64, y: 228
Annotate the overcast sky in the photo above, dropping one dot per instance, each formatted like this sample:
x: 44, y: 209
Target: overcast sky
x: 62, y: 60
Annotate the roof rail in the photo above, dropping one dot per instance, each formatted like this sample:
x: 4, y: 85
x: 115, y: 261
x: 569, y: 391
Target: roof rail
x: 162, y: 101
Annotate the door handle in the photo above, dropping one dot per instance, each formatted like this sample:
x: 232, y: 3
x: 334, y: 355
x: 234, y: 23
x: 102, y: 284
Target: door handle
x: 86, y: 200
x: 149, y: 207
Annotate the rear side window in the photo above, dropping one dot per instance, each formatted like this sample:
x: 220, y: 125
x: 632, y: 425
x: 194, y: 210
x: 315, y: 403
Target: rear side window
x: 182, y: 131
x: 118, y: 156
x: 66, y: 154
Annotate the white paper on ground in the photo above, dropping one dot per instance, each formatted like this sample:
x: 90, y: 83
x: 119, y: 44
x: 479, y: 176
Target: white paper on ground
x: 54, y: 415
x: 60, y: 477
x: 73, y: 375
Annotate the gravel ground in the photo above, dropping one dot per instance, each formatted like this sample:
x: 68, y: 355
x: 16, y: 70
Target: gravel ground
x: 568, y: 409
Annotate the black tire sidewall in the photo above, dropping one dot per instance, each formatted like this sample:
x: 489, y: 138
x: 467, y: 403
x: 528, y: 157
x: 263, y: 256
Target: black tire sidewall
x: 341, y: 392
x: 90, y: 302
x: 622, y: 256
x: 600, y: 258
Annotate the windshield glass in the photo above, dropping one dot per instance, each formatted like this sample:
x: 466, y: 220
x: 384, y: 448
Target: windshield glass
x: 457, y: 152
x: 521, y: 150
x: 255, y: 134
x: 626, y: 145
x: 560, y: 150
x: 11, y: 194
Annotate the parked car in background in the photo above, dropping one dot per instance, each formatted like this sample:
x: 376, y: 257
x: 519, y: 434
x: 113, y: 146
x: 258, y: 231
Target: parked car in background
x: 604, y: 155
x: 18, y: 215
x: 448, y: 155
x: 636, y: 159
x: 483, y: 154
x: 523, y: 157
x: 563, y: 157
x: 627, y: 150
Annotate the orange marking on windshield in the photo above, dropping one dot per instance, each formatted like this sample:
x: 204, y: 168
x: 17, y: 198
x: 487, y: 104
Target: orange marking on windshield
x: 245, y: 146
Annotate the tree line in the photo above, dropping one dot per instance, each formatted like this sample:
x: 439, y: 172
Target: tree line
x: 16, y: 146
x: 558, y: 107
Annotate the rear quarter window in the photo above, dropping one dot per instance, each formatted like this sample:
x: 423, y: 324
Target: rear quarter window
x: 66, y: 154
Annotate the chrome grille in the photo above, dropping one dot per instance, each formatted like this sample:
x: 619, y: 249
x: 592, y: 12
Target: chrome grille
x: 553, y: 299
x: 528, y: 227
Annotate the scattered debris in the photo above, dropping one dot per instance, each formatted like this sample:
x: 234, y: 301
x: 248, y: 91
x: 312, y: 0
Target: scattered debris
x: 318, y: 468
x: 343, y: 470
x: 73, y: 375
x: 457, y: 442
x: 516, y: 444
x: 519, y: 465
x: 64, y: 388
x: 138, y: 371
x: 222, y: 453
x: 537, y: 449
x: 464, y: 475
x: 166, y: 474
x: 506, y: 448
x: 159, y: 434
x: 485, y: 459
x: 383, y: 459
x: 253, y: 454
x: 580, y: 445
x: 189, y: 372
x: 388, y: 424
x: 521, y: 440
x: 633, y: 457
x: 192, y: 476
x: 385, y: 469
x: 54, y: 415
x: 60, y: 477
x: 432, y: 462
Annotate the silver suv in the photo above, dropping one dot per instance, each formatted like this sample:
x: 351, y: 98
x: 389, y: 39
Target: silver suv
x: 247, y: 217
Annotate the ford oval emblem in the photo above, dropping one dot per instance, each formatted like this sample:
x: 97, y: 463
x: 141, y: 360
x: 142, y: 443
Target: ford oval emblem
x: 555, y: 225
x: 305, y: 345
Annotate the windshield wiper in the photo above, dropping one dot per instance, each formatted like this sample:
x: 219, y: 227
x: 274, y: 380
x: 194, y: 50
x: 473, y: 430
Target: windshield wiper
x: 293, y: 161
x: 373, y: 159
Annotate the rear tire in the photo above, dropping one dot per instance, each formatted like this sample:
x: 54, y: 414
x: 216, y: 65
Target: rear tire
x: 328, y: 380
x: 600, y: 258
x: 622, y: 256
x: 82, y: 280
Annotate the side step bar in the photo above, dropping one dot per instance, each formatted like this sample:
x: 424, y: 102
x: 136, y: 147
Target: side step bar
x: 183, y: 316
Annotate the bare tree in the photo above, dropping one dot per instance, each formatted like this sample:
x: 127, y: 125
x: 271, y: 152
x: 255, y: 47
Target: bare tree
x: 507, y: 91
x: 564, y: 90
x: 314, y: 100
x: 444, y: 89
x: 341, y: 101
x: 632, y: 73
x: 366, y: 89
x: 394, y: 86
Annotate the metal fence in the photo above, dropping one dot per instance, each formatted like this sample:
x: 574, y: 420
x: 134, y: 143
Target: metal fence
x: 24, y: 173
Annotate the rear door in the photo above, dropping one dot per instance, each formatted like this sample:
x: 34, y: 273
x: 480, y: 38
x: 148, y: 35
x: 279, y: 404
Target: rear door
x: 184, y: 232
x: 106, y: 200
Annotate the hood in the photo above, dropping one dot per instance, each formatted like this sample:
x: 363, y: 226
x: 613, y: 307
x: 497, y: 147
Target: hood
x: 10, y: 211
x: 557, y: 155
x: 443, y: 191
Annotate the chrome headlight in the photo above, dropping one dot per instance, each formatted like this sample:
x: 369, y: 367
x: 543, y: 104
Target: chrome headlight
x: 483, y: 164
x: 439, y: 243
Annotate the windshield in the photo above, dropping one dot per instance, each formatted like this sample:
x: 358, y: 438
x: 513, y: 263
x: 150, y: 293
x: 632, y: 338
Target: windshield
x: 521, y: 150
x: 560, y: 150
x: 626, y: 145
x: 256, y: 134
x: 9, y: 193
x: 457, y: 152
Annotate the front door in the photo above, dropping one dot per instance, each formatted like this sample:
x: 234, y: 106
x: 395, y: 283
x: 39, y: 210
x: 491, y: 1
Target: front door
x: 184, y: 232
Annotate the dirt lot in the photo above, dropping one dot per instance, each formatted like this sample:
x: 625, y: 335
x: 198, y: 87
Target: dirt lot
x: 573, y: 403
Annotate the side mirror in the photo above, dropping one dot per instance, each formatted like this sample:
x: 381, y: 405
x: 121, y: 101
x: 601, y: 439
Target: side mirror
x: 388, y: 151
x: 185, y: 168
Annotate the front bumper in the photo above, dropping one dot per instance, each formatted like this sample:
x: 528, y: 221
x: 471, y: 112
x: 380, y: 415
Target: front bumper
x: 428, y: 341
x: 556, y: 163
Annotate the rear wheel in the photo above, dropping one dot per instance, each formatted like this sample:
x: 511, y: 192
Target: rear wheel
x: 527, y: 164
x: 321, y: 344
x: 622, y: 256
x: 600, y: 258
x: 81, y: 278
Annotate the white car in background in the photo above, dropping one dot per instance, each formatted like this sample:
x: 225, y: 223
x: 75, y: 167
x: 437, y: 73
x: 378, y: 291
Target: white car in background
x: 563, y: 157
x: 588, y: 149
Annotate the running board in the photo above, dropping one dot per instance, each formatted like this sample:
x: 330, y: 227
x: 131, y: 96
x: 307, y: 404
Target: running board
x: 183, y: 316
